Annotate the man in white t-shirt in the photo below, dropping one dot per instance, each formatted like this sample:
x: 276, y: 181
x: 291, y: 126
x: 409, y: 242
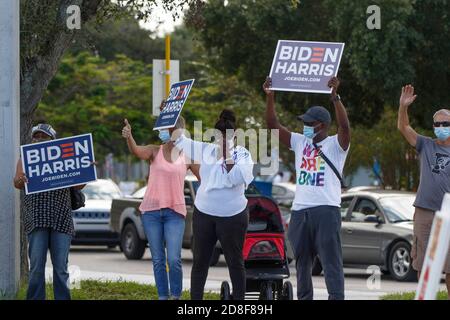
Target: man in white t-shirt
x: 314, y: 229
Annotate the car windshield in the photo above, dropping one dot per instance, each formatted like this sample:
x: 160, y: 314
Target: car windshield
x: 398, y: 208
x: 101, y: 191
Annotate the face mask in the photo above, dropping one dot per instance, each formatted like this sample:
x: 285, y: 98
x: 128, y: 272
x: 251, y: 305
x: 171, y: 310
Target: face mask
x: 442, y: 133
x: 164, y: 135
x: 309, y: 132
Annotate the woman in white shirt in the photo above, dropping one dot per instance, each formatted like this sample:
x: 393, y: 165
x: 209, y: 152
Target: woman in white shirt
x: 220, y: 211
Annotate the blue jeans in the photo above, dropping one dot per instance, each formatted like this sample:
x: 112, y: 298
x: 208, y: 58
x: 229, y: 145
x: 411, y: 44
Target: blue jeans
x: 40, y: 240
x: 164, y: 229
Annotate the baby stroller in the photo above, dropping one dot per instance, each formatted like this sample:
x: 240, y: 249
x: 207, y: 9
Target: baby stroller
x: 266, y: 264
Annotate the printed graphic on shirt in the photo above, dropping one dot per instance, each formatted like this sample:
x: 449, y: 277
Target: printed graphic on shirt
x: 441, y: 162
x: 312, y: 168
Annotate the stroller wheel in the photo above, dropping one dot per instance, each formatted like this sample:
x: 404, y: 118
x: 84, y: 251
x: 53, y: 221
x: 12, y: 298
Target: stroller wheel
x: 288, y: 291
x: 266, y: 292
x: 225, y: 292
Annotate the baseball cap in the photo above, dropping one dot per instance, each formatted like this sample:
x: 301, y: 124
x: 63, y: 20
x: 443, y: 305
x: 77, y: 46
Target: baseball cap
x: 45, y: 128
x: 316, y: 113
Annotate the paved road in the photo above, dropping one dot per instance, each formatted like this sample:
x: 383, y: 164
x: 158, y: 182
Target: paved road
x: 102, y: 263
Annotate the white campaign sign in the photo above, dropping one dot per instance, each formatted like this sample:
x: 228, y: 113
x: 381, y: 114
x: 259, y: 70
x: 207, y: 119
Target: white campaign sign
x: 436, y: 254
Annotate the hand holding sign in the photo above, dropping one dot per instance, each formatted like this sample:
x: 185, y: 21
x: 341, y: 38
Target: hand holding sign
x: 163, y: 104
x: 267, y: 87
x: 334, y: 85
x: 22, y: 178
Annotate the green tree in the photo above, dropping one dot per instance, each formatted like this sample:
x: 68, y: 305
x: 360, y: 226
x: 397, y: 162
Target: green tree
x: 411, y: 47
x: 45, y: 38
x: 90, y: 94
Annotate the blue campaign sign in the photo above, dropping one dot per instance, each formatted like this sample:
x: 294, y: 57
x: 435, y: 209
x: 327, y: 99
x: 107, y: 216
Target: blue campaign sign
x: 58, y: 164
x: 305, y: 66
x: 174, y: 104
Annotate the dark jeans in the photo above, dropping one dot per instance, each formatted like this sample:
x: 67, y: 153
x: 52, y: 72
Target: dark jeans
x: 230, y: 231
x: 317, y: 232
x: 40, y: 241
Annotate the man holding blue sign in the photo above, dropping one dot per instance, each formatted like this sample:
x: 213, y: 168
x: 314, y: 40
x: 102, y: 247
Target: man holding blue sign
x: 44, y: 172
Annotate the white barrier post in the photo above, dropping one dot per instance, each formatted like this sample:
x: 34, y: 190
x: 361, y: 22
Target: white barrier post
x: 436, y: 254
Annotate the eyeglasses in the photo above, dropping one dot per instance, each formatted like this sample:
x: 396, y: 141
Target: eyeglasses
x: 441, y: 124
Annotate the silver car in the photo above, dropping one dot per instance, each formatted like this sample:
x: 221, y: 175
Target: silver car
x: 92, y: 222
x: 377, y: 229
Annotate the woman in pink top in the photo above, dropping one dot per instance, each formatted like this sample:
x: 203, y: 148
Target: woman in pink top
x: 163, y: 208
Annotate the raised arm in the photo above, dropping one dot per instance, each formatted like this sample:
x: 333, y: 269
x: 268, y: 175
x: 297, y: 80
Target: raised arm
x: 142, y: 152
x: 406, y: 99
x: 191, y: 148
x: 341, y: 115
x: 271, y: 116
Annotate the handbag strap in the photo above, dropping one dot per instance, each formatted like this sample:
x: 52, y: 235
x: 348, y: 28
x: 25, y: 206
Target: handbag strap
x: 328, y: 161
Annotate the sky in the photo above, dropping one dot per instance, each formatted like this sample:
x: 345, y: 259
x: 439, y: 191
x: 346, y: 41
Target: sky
x: 162, y: 22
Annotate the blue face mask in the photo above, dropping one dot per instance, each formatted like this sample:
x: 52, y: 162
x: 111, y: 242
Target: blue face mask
x: 164, y: 135
x: 309, y: 132
x: 442, y: 133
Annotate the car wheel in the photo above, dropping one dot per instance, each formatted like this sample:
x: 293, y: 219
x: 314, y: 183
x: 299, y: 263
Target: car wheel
x: 225, y: 292
x: 133, y: 247
x: 287, y: 291
x: 400, y: 263
x: 316, y: 267
x: 266, y: 292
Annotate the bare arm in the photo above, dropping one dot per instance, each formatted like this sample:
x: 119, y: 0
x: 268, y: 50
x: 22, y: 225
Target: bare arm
x: 195, y: 169
x: 406, y: 99
x: 341, y: 115
x: 142, y: 152
x: 20, y: 178
x: 271, y: 116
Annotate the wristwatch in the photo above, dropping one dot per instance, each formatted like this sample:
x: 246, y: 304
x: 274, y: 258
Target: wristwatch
x: 336, y: 98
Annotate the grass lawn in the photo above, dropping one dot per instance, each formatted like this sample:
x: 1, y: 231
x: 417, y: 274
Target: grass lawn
x: 112, y: 290
x: 442, y: 295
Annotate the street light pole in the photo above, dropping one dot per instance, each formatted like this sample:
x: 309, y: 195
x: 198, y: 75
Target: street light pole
x: 167, y: 87
x: 9, y: 148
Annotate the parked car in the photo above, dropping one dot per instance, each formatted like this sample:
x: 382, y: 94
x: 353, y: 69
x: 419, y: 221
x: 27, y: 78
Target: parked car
x: 126, y: 220
x: 92, y: 222
x: 283, y: 193
x: 377, y: 229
